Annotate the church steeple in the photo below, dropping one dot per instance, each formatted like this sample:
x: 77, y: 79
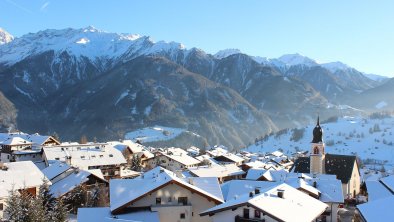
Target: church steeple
x: 317, y: 154
x: 317, y: 132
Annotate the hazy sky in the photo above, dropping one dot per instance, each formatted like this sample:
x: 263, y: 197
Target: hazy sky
x: 359, y: 33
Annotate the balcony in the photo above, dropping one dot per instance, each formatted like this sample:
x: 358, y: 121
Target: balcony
x: 242, y: 219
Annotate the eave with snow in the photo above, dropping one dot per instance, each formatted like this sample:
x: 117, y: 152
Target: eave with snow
x: 162, y: 191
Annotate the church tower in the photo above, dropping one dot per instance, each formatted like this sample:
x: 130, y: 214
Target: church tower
x: 317, y: 154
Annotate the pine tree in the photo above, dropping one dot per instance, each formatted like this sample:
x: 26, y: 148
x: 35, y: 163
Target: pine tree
x: 59, y: 212
x: 13, y: 207
x: 136, y: 163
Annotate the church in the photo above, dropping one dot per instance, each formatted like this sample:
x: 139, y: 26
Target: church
x: 345, y: 167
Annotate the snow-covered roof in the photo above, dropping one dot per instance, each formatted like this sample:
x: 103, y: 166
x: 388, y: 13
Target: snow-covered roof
x: 209, y: 184
x: 180, y: 155
x: 277, y: 153
x: 389, y: 182
x: 68, y: 183
x: 19, y: 175
x: 255, y: 173
x: 103, y: 214
x: 235, y: 188
x: 216, y: 170
x: 255, y: 164
x: 16, y: 140
x: 32, y: 138
x: 293, y: 206
x: 123, y: 192
x: 232, y: 157
x: 378, y: 210
x: 217, y: 151
x: 55, y: 169
x: 83, y: 156
x: 376, y: 190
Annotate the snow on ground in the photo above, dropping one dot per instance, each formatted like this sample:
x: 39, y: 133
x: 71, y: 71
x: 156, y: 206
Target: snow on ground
x: 370, y: 139
x: 152, y: 134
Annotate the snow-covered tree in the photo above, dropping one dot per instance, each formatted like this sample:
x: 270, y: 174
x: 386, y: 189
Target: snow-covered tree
x: 136, y: 163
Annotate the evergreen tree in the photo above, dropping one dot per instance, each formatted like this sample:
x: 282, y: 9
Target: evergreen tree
x: 13, y: 208
x: 136, y: 163
x: 59, y: 212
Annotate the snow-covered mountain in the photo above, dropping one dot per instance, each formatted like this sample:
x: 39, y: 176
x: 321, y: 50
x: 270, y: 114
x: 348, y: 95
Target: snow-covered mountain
x: 226, y: 52
x: 106, y: 84
x: 82, y: 43
x: 378, y: 78
x: 296, y: 59
x: 5, y: 37
x: 335, y: 66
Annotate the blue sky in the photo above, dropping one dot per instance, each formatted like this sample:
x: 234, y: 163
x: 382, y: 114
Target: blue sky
x: 359, y: 33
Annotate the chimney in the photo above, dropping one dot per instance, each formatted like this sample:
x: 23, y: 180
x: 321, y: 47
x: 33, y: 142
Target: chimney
x: 250, y: 194
x: 281, y: 193
x: 68, y: 160
x: 314, y: 184
x: 257, y: 190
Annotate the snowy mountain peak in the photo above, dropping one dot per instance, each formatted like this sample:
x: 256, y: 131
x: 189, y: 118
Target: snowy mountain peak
x: 5, y: 37
x: 335, y: 66
x: 297, y: 59
x: 91, y: 28
x: 87, y: 42
x: 226, y: 53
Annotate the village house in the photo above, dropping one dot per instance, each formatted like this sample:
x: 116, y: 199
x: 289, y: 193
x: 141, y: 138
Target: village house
x: 160, y: 190
x: 23, y: 147
x: 326, y: 188
x: 88, y: 157
x: 131, y: 150
x: 276, y: 203
x: 223, y: 172
x: 174, y: 159
x: 20, y: 176
x: 229, y: 158
x: 345, y: 167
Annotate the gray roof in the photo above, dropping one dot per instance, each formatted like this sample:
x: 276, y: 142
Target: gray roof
x: 340, y: 165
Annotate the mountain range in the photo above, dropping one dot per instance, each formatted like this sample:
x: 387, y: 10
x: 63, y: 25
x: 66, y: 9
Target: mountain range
x: 90, y: 82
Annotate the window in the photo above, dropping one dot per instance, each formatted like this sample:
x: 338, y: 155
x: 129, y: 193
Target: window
x: 316, y: 150
x: 246, y: 213
x: 169, y: 199
x: 257, y: 214
x: 182, y: 216
x: 101, y: 156
x: 111, y: 155
x: 57, y: 158
x: 158, y: 200
x: 182, y: 200
x: 82, y: 157
x: 1, y: 206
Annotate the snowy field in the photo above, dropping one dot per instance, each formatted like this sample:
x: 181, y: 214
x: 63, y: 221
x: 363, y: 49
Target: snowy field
x: 370, y: 139
x: 153, y: 134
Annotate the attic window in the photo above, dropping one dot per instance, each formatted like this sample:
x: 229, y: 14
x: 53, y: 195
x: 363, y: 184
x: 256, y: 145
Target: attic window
x: 97, y: 148
x: 111, y: 155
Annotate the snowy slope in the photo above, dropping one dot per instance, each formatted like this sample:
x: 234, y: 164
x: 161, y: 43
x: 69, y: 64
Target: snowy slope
x: 156, y: 133
x: 348, y: 136
x: 335, y: 66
